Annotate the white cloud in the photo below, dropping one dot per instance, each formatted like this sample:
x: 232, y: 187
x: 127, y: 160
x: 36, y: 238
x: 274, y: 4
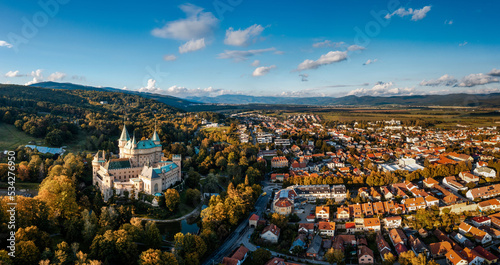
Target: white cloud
x: 448, y: 22
x: 56, y: 76
x: 355, y: 48
x: 255, y: 63
x: 495, y: 72
x: 416, y: 14
x: 196, y: 25
x: 329, y: 58
x: 184, y: 92
x: 445, y: 80
x: 328, y: 43
x: 369, y: 61
x: 477, y: 79
x: 5, y: 44
x: 243, y: 37
x: 263, y: 70
x: 304, y: 77
x: 169, y: 57
x: 382, y: 89
x: 192, y: 45
x: 13, y: 74
x: 463, y: 44
x: 238, y: 56
x: 37, y: 77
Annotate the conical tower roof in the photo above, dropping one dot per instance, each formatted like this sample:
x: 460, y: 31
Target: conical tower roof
x: 155, y: 138
x: 124, y: 136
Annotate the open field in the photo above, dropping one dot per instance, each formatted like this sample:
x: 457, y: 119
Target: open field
x: 443, y: 117
x: 11, y: 138
x: 212, y: 129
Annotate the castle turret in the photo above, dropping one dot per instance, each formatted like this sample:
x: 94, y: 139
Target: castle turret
x: 124, y: 138
x: 156, y: 138
x: 177, y: 159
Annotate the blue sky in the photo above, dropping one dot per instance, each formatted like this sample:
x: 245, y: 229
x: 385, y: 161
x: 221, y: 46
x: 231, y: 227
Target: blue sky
x: 300, y: 48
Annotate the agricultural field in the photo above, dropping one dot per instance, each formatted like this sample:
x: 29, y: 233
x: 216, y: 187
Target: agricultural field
x: 11, y: 138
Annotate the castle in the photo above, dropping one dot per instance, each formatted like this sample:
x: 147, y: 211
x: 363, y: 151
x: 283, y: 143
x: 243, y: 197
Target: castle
x: 141, y: 167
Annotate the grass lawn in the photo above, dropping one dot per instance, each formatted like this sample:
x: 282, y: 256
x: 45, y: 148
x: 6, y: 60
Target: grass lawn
x: 11, y: 138
x: 212, y: 129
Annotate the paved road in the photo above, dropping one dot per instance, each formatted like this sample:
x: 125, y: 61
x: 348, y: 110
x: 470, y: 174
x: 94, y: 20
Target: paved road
x: 238, y: 235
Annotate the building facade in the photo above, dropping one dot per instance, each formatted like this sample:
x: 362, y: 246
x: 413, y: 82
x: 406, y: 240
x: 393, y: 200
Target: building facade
x: 141, y: 167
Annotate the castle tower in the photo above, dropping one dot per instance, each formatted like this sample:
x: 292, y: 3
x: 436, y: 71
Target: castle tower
x: 124, y: 138
x: 98, y: 161
x: 177, y: 160
x: 156, y: 138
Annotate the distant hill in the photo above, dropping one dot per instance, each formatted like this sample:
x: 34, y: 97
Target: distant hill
x: 169, y: 100
x: 468, y: 100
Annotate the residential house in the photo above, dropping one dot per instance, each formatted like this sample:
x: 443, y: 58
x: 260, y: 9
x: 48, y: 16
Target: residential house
x: 365, y: 255
x: 392, y: 222
x: 468, y: 177
x: 472, y: 257
x: 314, y: 247
x: 417, y: 246
x: 452, y: 183
x: 488, y: 257
x: 306, y: 228
x: 237, y: 258
x: 382, y: 246
x: 479, y: 235
x: 431, y: 201
x: 387, y: 193
x: 478, y: 221
x: 323, y: 212
x: 439, y: 249
x: 430, y: 182
x: 397, y: 236
x: 279, y: 162
x: 326, y: 228
x: 489, y: 205
x: 371, y: 224
x: 485, y: 172
x: 343, y: 213
x: 300, y: 241
x: 454, y: 258
x: 483, y: 192
x: 413, y: 204
x: 271, y: 233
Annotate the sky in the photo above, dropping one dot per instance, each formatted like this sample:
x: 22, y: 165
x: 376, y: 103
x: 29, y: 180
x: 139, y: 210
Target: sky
x: 260, y: 48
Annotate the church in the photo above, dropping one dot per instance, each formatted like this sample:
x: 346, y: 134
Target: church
x: 141, y: 167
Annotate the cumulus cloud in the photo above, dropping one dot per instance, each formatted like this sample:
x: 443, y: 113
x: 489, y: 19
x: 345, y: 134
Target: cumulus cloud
x: 243, y: 37
x: 192, y: 45
x: 238, y: 56
x: 382, y: 89
x: 13, y: 74
x: 494, y: 72
x: 477, y: 79
x: 304, y: 77
x: 37, y: 77
x: 184, y: 92
x: 56, y: 76
x: 196, y: 25
x: 416, y: 14
x: 263, y: 70
x: 325, y: 59
x: 445, y: 80
x: 5, y: 44
x: 255, y: 63
x: 369, y: 61
x: 328, y: 43
x: 169, y: 57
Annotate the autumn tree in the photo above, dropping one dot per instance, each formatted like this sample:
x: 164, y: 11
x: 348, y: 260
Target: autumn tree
x: 59, y: 193
x: 157, y: 257
x: 172, y: 199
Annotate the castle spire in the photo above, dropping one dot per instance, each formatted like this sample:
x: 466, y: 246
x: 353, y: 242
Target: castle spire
x: 125, y: 136
x: 155, y: 138
x: 134, y: 143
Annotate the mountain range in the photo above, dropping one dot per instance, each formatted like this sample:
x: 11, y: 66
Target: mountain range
x: 212, y: 103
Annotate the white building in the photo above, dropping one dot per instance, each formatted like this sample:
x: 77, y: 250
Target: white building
x: 485, y: 172
x: 141, y: 167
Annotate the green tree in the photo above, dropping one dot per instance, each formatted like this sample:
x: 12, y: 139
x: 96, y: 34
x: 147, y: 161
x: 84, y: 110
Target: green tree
x: 261, y: 256
x: 334, y: 256
x: 172, y: 199
x: 193, y: 196
x: 153, y: 236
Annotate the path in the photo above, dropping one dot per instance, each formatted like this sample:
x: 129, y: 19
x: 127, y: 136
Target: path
x: 171, y: 220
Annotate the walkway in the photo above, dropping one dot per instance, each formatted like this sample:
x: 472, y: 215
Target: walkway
x: 195, y: 211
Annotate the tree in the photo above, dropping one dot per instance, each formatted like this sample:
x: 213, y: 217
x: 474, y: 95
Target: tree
x: 60, y: 195
x: 157, y: 257
x: 334, y: 256
x: 261, y: 256
x: 193, y: 197
x: 172, y: 199
x: 26, y: 253
x: 389, y: 258
x: 279, y: 220
x: 153, y: 236
x: 5, y: 258
x: 114, y: 246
